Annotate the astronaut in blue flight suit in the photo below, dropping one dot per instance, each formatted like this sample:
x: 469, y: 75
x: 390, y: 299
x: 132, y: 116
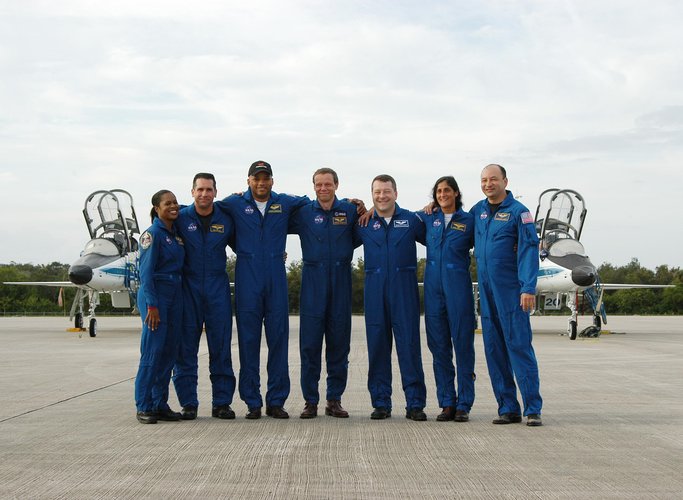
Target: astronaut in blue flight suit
x: 325, y: 227
x: 391, y: 300
x: 206, y: 300
x: 160, y: 305
x: 506, y: 248
x: 261, y: 218
x: 448, y: 299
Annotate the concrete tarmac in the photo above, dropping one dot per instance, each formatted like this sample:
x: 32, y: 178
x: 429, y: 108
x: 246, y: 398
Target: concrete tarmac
x: 613, y: 425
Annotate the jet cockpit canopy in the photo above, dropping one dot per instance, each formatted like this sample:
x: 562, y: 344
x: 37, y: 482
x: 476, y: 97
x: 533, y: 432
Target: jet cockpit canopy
x: 559, y: 221
x: 110, y: 216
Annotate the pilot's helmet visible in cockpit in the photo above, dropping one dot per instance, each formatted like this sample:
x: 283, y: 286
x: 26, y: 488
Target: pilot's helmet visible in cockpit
x: 550, y: 238
x: 120, y: 241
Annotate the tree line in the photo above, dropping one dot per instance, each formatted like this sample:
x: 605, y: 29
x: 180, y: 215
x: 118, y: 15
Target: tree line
x: 38, y: 299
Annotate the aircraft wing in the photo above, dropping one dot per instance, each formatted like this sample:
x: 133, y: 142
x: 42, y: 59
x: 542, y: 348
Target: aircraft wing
x: 41, y: 283
x: 475, y: 284
x: 626, y: 286
x: 607, y: 286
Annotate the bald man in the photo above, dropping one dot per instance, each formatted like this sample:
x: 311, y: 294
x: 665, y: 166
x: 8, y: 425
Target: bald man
x: 506, y: 249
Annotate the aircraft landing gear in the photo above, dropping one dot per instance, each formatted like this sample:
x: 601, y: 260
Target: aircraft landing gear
x: 77, y: 311
x: 93, y: 301
x: 597, y: 321
x: 572, y: 300
x: 592, y: 331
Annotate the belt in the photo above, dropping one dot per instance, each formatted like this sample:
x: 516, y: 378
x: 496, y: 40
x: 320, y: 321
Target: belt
x: 397, y: 269
x: 323, y: 264
x: 168, y: 277
x: 210, y: 274
x: 243, y: 255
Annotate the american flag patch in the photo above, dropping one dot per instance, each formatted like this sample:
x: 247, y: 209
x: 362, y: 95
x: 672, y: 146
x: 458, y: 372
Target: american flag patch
x: 527, y: 218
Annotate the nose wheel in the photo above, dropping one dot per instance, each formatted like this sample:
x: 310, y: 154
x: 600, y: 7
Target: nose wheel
x: 572, y: 300
x: 92, y: 330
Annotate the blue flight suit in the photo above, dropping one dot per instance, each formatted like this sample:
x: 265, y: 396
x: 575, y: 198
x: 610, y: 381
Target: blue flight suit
x: 327, y: 249
x: 261, y: 292
x: 206, y: 301
x: 449, y: 306
x: 392, y: 303
x: 161, y: 264
x: 506, y: 248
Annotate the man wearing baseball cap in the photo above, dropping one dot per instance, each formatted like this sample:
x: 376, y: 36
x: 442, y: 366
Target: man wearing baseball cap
x: 261, y: 218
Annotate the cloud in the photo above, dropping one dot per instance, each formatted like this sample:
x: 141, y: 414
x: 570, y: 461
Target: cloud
x: 143, y: 95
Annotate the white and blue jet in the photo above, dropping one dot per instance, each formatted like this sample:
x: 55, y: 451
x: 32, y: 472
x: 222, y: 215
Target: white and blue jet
x: 109, y: 261
x: 565, y: 270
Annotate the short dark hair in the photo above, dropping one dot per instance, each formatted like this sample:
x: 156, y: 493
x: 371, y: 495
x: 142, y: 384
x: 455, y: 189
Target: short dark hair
x: 502, y: 170
x: 450, y: 180
x: 156, y: 201
x: 203, y: 175
x: 384, y: 178
x: 325, y: 170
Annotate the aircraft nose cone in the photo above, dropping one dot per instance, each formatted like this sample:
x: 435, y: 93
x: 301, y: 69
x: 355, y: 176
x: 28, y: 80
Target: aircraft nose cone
x: 584, y: 275
x: 80, y: 274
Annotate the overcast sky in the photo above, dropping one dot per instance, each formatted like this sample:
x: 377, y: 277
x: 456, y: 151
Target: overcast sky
x: 141, y: 95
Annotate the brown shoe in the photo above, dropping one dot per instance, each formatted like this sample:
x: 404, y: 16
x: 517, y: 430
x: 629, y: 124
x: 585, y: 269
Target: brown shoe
x: 276, y: 412
x: 461, y: 416
x: 446, y: 415
x: 334, y: 409
x: 310, y: 411
x: 253, y: 413
x: 507, y: 418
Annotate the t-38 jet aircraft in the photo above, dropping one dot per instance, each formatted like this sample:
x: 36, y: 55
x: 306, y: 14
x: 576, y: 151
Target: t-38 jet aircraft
x: 109, y: 261
x: 565, y: 270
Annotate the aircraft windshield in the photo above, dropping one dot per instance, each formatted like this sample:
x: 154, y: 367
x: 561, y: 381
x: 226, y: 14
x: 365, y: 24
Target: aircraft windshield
x: 563, y: 247
x: 110, y: 215
x: 101, y: 246
x: 560, y: 211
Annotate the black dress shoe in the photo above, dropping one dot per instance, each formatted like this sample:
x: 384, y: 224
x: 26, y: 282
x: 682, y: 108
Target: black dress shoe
x: 416, y: 414
x: 446, y: 415
x: 534, y: 420
x: 168, y: 415
x: 223, y: 411
x: 335, y: 409
x: 310, y: 411
x: 461, y: 416
x: 276, y: 412
x: 146, y: 417
x: 188, y: 413
x: 253, y: 413
x: 380, y: 413
x: 508, y: 418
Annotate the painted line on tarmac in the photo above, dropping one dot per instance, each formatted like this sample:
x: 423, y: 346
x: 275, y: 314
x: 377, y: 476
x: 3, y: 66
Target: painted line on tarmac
x: 66, y: 399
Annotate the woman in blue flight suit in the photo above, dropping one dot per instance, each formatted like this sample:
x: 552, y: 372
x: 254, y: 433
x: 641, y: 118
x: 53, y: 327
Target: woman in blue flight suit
x: 449, y: 303
x: 160, y: 304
